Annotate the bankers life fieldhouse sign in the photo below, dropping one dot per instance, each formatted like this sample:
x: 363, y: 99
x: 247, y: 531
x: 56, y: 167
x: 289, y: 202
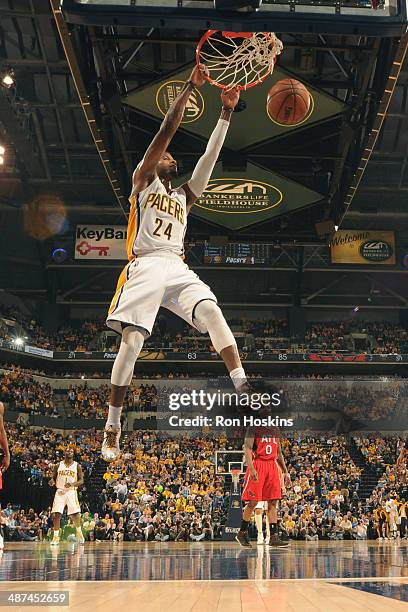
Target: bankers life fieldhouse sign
x: 238, y: 200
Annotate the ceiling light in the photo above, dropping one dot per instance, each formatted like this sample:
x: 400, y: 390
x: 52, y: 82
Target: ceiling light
x: 8, y: 79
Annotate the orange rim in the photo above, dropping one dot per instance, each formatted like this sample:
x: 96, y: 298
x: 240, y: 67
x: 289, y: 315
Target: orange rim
x: 204, y: 39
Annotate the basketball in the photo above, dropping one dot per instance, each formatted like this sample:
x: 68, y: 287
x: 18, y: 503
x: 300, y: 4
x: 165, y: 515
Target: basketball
x: 288, y: 102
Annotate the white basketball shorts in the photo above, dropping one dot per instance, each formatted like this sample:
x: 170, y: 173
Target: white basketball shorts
x: 262, y: 505
x: 151, y: 281
x: 67, y: 498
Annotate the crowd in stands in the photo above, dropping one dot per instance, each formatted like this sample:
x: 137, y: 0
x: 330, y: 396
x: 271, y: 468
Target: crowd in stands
x: 365, y: 400
x: 161, y: 488
x: 167, y: 488
x: 91, y: 402
x: 22, y: 393
x: 253, y: 334
x: 26, y: 395
x: 389, y: 499
x: 359, y: 402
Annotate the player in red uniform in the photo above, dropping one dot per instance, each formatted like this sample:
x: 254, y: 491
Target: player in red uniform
x: 263, y: 455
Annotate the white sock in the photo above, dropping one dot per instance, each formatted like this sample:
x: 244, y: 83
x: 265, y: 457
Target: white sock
x: 56, y: 533
x: 114, y: 416
x: 258, y: 522
x: 238, y: 377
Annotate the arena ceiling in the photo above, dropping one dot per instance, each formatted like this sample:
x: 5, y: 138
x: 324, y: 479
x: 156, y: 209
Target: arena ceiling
x: 49, y: 145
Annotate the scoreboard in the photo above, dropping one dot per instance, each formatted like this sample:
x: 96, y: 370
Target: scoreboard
x: 237, y: 253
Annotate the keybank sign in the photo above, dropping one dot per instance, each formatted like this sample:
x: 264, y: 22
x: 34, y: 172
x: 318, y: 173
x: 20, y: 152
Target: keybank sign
x: 239, y: 196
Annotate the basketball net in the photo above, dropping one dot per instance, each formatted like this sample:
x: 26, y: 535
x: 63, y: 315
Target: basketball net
x: 242, y: 59
x: 235, y: 474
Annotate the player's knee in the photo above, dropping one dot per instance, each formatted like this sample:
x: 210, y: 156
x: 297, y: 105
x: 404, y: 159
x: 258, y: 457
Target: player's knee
x: 130, y: 347
x: 207, y: 312
x: 210, y: 318
x: 132, y: 340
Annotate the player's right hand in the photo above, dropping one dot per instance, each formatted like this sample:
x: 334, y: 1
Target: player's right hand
x: 198, y: 74
x: 254, y: 474
x: 5, y: 462
x: 230, y: 97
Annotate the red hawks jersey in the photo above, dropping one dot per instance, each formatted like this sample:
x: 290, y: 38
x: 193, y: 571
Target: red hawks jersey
x: 265, y: 447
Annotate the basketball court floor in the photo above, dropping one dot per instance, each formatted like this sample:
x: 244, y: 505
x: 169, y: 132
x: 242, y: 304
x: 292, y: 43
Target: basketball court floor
x: 201, y: 577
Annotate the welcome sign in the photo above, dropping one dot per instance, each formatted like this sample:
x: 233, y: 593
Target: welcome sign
x: 363, y: 247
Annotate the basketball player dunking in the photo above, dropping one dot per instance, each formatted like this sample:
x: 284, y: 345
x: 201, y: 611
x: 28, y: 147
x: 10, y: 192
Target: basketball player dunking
x: 156, y: 274
x: 67, y: 477
x: 262, y: 481
x: 5, y: 462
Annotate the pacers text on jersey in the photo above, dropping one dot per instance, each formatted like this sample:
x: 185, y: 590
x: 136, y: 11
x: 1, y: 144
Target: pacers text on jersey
x: 165, y: 204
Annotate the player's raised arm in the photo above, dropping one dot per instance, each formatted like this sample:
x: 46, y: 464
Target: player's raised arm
x: 3, y: 441
x: 205, y: 165
x: 144, y: 173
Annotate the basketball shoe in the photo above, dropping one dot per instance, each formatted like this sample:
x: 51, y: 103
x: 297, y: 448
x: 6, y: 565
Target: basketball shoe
x: 242, y: 538
x: 110, y: 444
x: 277, y: 542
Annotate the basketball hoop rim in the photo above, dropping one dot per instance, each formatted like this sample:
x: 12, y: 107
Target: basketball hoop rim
x: 206, y: 36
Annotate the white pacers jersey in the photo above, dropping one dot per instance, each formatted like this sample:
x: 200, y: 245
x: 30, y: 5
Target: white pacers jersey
x: 157, y: 220
x: 66, y: 474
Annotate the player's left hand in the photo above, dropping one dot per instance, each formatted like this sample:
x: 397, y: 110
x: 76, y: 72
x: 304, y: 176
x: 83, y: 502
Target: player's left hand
x: 230, y: 97
x: 287, y: 480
